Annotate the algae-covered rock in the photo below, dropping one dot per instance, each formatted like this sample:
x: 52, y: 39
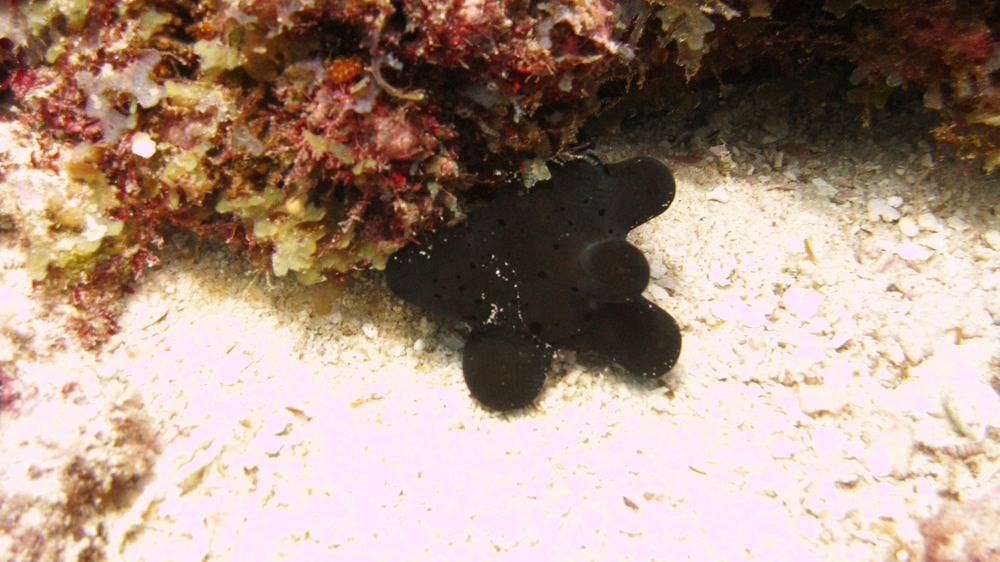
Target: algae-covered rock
x: 362, y: 124
x: 62, y: 215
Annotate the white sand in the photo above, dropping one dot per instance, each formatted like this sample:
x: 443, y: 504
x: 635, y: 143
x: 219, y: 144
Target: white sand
x: 836, y: 366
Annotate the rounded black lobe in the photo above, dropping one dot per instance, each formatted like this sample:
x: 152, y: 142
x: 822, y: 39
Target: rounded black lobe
x: 504, y: 370
x: 638, y: 335
x: 616, y: 270
x: 642, y: 189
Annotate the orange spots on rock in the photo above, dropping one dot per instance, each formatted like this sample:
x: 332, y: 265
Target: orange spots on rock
x: 342, y: 69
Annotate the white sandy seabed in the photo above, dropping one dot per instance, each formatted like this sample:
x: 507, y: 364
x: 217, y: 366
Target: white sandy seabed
x: 837, y: 292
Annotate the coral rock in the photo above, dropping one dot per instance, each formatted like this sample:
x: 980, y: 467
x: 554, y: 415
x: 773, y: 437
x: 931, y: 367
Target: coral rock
x: 965, y: 531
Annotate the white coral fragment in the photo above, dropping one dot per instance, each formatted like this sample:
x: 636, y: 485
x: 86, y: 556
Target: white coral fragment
x: 143, y: 146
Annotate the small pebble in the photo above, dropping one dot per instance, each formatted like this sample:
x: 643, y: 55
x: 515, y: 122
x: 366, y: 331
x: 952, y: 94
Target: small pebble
x: 808, y: 527
x: 419, y: 345
x: 809, y: 351
x: 879, y: 208
x: 890, y: 454
x: 936, y: 241
x: 656, y: 268
x: 718, y: 194
x: 720, y: 274
x: 884, y: 375
x: 894, y: 201
x: 877, y: 459
x: 452, y: 342
x: 784, y: 448
x: 990, y: 280
x: 142, y: 145
x: 369, y: 330
x: 915, y: 341
x: 722, y: 311
x: 992, y: 239
x: 908, y: 226
x: 751, y: 317
x: 908, y: 251
x: 894, y: 352
x: 824, y: 187
x: 928, y: 221
x: 802, y: 303
x: 795, y: 245
x: 814, y: 400
x: 957, y: 223
x: 657, y: 292
x: 971, y: 404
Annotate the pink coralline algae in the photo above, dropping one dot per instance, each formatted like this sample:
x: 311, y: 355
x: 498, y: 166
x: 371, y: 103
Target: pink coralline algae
x: 317, y: 137
x: 331, y: 132
x: 965, y: 531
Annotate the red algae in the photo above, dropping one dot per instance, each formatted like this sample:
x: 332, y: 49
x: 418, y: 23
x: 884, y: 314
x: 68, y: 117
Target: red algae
x: 964, y: 531
x: 319, y: 137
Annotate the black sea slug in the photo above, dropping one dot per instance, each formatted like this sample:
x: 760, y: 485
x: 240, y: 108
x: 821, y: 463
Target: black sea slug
x: 548, y: 268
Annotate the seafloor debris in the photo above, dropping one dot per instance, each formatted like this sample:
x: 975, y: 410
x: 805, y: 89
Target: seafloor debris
x: 550, y: 267
x: 964, y: 531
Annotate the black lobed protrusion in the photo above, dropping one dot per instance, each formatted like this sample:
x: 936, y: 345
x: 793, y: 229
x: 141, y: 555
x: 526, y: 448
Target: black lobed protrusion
x: 544, y: 266
x: 505, y: 370
x: 616, y: 270
x: 644, y: 188
x: 638, y: 335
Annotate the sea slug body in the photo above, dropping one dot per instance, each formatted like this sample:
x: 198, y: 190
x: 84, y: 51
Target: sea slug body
x: 548, y: 268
